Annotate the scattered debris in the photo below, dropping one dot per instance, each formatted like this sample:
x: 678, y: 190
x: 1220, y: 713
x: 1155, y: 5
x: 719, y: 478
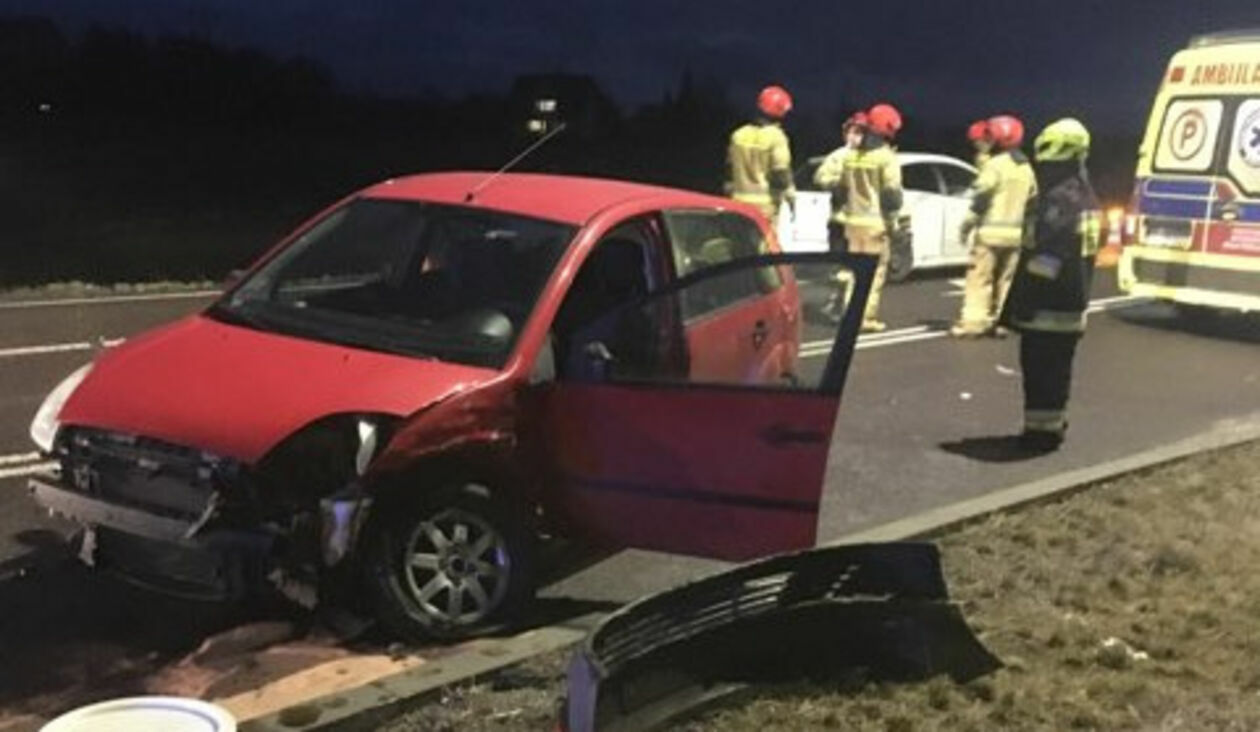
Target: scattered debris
x: 965, y: 396
x: 1119, y: 655
x: 1005, y: 370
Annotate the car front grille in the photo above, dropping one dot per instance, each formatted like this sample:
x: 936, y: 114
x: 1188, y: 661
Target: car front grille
x: 166, y: 479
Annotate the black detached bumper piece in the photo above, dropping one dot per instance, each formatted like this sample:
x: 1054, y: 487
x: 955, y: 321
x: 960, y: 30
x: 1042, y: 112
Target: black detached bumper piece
x: 880, y: 608
x: 163, y: 553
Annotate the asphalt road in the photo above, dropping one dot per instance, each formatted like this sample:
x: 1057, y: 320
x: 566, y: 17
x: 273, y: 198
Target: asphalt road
x: 911, y: 433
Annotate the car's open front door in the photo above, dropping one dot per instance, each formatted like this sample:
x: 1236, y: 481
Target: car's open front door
x: 652, y: 443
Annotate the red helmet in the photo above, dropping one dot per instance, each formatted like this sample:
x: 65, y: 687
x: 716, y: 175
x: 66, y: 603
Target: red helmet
x: 884, y: 120
x: 857, y: 119
x: 774, y: 102
x: 1006, y: 132
x: 978, y: 131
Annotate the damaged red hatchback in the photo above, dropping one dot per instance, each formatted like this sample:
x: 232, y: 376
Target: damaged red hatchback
x: 398, y: 402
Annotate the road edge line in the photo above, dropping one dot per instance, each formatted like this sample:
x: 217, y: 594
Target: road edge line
x: 364, y: 707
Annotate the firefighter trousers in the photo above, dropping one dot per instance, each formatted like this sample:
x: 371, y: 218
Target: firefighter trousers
x: 1046, y: 361
x: 871, y: 241
x: 989, y: 276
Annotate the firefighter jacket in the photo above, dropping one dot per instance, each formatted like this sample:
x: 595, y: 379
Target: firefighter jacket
x: 869, y: 192
x: 759, y: 166
x: 1000, y: 197
x: 1050, y: 292
x: 828, y: 177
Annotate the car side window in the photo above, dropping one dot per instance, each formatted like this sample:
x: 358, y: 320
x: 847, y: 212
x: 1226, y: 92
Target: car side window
x: 957, y: 179
x: 920, y: 177
x: 754, y: 345
x: 702, y: 239
x: 623, y: 266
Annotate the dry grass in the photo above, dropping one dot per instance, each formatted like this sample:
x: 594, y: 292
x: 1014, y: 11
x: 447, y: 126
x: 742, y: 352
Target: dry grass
x: 1135, y: 605
x: 76, y: 289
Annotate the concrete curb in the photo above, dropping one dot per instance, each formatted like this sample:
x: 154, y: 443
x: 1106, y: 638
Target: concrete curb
x: 365, y: 706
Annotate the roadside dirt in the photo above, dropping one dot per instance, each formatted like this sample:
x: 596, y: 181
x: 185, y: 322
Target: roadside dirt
x: 1135, y: 605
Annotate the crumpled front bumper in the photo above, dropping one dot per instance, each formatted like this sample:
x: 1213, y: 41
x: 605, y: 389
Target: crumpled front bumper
x: 167, y: 554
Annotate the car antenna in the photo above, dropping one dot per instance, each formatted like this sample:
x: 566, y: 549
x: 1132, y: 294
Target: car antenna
x: 513, y: 162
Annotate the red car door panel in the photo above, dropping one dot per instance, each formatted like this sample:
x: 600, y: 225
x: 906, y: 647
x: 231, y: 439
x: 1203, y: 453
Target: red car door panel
x: 707, y: 458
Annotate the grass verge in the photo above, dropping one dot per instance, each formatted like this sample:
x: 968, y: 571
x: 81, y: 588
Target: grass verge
x: 75, y: 290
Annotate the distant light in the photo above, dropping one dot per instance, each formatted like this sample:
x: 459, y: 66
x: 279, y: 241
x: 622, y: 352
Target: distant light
x: 45, y: 108
x: 545, y: 106
x: 1115, y: 224
x: 536, y: 125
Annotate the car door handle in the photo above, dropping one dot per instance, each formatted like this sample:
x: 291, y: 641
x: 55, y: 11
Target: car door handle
x: 759, y: 333
x: 781, y: 435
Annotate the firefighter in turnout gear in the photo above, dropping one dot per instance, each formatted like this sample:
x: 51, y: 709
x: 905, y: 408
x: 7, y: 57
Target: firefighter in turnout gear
x: 759, y: 159
x: 978, y: 136
x: 1000, y: 197
x: 869, y: 197
x: 1050, y: 295
x: 827, y: 178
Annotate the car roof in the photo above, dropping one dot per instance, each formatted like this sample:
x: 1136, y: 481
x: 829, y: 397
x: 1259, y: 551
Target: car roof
x: 568, y: 199
x: 908, y: 158
x: 912, y: 158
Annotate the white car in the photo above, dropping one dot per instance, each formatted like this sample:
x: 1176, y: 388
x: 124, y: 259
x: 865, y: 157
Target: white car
x: 935, y: 198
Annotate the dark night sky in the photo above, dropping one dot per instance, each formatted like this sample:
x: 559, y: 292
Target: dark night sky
x: 948, y: 60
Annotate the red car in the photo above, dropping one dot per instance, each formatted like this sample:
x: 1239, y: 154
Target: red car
x: 401, y: 399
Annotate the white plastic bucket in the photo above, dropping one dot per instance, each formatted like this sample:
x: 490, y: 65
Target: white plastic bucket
x: 145, y: 714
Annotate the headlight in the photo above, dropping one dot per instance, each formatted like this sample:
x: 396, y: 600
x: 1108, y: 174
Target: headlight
x: 44, y: 426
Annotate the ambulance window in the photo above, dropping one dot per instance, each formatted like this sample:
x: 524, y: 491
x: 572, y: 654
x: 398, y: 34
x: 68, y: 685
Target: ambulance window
x: 1244, y: 148
x: 1188, y: 135
x: 920, y: 177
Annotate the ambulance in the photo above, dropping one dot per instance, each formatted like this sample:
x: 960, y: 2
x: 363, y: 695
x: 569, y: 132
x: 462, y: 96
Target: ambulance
x: 1192, y: 236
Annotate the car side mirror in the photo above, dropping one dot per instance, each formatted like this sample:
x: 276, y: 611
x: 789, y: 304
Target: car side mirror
x: 599, y: 360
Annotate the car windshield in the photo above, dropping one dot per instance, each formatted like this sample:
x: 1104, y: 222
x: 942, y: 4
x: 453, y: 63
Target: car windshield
x: 424, y: 280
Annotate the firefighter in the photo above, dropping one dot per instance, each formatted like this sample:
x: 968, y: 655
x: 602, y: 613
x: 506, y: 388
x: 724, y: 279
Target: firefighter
x: 869, y: 195
x: 1050, y: 295
x: 759, y: 160
x: 828, y: 177
x: 978, y: 135
x: 1000, y: 197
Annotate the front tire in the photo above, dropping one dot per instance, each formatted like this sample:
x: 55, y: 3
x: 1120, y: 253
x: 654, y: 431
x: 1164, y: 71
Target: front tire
x: 457, y: 564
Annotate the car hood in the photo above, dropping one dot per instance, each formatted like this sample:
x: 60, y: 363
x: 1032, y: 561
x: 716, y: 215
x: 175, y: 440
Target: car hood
x: 238, y: 392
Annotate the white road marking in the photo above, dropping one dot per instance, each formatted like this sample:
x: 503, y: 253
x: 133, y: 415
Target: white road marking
x: 23, y: 304
x: 25, y: 470
x: 26, y: 457
x: 816, y: 349
x: 58, y: 348
x: 959, y: 286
